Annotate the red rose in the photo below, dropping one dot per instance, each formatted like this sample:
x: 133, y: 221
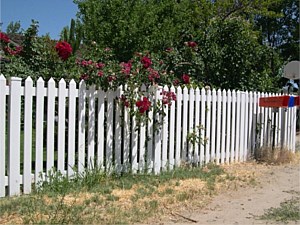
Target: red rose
x: 176, y: 82
x: 4, y: 37
x: 186, y: 78
x: 126, y: 67
x: 168, y: 97
x: 11, y: 51
x: 143, y: 105
x: 191, y: 44
x: 146, y: 62
x: 125, y: 101
x: 63, y: 49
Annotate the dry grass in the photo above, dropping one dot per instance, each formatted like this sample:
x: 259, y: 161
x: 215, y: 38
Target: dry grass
x: 276, y: 156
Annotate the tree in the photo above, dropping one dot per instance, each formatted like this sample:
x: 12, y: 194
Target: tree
x: 72, y: 34
x: 229, y: 53
x: 13, y: 28
x: 281, y: 32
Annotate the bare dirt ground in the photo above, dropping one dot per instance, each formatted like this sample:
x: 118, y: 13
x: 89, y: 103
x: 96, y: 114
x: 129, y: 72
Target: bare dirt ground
x: 274, y: 185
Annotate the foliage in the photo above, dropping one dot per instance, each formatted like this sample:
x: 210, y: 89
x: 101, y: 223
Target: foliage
x: 37, y: 58
x: 72, y: 35
x: 14, y: 28
x: 228, y: 53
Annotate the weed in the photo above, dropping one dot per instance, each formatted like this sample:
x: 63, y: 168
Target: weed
x: 288, y: 211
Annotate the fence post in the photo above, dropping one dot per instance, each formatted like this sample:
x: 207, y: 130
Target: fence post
x: 2, y: 134
x: 14, y: 136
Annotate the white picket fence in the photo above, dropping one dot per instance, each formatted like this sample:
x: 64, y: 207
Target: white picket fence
x: 71, y: 126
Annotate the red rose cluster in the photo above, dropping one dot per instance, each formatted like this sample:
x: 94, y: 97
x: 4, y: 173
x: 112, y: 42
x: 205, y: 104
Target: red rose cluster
x: 126, y: 67
x: 64, y: 49
x: 11, y: 51
x: 153, y: 74
x: 125, y: 101
x: 146, y: 62
x: 168, y: 97
x: 186, y: 78
x: 4, y: 37
x: 143, y: 105
x: 191, y: 44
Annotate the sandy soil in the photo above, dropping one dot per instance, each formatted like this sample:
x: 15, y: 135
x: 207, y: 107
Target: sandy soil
x: 242, y: 206
x: 278, y: 183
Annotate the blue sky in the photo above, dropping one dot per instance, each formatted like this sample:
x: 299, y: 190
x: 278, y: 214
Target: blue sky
x: 52, y: 15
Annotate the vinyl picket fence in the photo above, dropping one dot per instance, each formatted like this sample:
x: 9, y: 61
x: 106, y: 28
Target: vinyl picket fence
x: 69, y: 126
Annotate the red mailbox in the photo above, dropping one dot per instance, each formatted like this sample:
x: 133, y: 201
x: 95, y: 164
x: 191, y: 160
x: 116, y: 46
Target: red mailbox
x: 274, y: 101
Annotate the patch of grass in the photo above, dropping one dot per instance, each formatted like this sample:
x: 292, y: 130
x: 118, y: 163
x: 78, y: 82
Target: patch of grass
x: 288, y: 211
x: 94, y: 196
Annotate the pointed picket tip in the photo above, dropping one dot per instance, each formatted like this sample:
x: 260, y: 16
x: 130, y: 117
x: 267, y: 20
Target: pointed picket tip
x: 166, y: 87
x: 203, y: 90
x: 179, y: 89
x: 213, y: 91
x: 40, y: 80
x: 172, y: 88
x: 51, y: 80
x: 72, y: 81
x: 2, y: 77
x: 197, y: 89
x: 62, y: 81
x: 28, y: 81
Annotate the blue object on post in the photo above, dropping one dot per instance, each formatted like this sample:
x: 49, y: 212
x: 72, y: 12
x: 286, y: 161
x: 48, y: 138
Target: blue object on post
x: 291, y: 101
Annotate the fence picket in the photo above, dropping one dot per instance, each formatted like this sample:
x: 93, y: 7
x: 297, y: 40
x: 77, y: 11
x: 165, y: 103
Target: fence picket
x: 191, y: 123
x: 118, y: 132
x: 238, y: 126
x: 2, y: 134
x: 218, y: 131
x: 150, y: 135
x: 51, y: 94
x: 172, y: 132
x: 197, y: 124
x: 233, y: 148
x: 178, y: 126
x: 109, y: 132
x: 39, y: 129
x: 242, y: 125
x: 142, y: 147
x: 246, y: 128
x: 81, y: 125
x: 14, y: 137
x: 223, y: 126
x: 254, y: 122
x: 165, y: 126
x: 202, y: 132
x: 213, y: 114
x: 61, y: 136
x: 228, y: 127
x: 134, y: 143
x: 185, y: 124
x: 71, y: 127
x: 100, y: 129
x: 208, y: 125
x: 157, y: 139
x: 27, y: 152
x: 91, y: 127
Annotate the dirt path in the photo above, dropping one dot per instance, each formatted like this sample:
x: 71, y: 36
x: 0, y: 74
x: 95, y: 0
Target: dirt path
x: 279, y: 183
x: 241, y: 207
